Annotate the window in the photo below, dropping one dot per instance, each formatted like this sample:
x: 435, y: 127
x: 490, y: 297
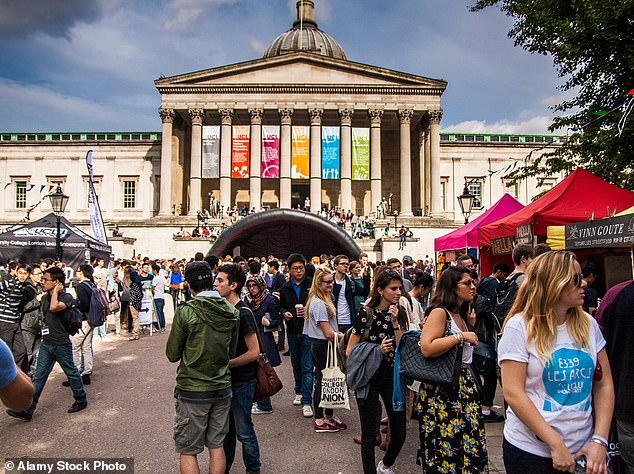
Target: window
x: 510, y: 187
x: 53, y: 181
x: 129, y: 192
x: 546, y: 183
x: 475, y: 188
x: 444, y: 182
x: 20, y: 186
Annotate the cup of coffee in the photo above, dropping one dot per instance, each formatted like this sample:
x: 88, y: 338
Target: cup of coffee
x: 299, y: 309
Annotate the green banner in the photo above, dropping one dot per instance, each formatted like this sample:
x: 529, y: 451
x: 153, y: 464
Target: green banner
x: 361, y: 154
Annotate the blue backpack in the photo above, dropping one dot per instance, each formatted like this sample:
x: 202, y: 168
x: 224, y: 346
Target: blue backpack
x: 99, y: 308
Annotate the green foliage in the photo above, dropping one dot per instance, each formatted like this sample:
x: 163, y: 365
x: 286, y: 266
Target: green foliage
x: 591, y: 43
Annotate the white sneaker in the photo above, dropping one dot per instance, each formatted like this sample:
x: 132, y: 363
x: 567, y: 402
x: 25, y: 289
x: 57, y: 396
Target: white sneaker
x: 381, y: 469
x: 307, y: 411
x: 297, y: 401
x: 255, y: 410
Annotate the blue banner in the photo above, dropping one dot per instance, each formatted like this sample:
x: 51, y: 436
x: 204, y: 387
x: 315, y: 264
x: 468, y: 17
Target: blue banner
x: 330, y: 158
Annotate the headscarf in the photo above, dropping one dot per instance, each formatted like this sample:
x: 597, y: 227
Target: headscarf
x: 255, y: 302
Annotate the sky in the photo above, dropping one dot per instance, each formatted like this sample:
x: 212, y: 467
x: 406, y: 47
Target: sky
x: 89, y: 65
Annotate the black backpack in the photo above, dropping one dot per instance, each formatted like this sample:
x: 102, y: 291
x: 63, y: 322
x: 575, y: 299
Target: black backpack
x: 504, y: 297
x: 72, y: 319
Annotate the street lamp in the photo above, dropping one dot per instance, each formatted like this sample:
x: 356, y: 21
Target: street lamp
x: 466, y: 203
x: 395, y: 216
x: 59, y: 200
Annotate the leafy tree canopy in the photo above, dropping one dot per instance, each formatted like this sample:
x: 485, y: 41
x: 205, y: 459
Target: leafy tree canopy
x: 591, y: 43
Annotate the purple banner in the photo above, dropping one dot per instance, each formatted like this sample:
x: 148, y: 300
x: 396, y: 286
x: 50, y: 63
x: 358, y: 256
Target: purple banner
x: 270, y: 151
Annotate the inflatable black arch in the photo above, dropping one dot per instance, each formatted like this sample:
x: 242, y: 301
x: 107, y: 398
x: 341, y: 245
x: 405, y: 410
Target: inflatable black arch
x: 280, y: 232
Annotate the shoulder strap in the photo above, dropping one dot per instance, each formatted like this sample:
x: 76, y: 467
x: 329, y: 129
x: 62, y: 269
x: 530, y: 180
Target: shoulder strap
x: 257, y: 331
x: 368, y: 323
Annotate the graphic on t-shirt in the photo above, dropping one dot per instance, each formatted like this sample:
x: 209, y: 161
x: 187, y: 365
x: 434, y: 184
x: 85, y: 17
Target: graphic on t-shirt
x: 567, y: 378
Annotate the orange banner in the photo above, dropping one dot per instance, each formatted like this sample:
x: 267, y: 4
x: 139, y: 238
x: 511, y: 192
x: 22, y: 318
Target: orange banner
x: 300, y: 153
x: 240, y: 151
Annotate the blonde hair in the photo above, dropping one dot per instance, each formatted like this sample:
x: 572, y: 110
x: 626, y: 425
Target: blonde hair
x: 316, y: 291
x: 546, y: 278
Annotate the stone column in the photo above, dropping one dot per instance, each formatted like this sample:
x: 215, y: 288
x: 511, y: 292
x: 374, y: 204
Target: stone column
x: 315, y: 159
x: 226, y: 119
x: 405, y: 117
x: 375, y: 157
x: 195, y: 170
x: 434, y: 139
x: 255, y: 180
x: 165, y: 206
x: 345, y: 115
x: 286, y: 116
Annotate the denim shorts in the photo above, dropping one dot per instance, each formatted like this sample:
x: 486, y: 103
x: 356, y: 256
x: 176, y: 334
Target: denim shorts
x: 200, y: 423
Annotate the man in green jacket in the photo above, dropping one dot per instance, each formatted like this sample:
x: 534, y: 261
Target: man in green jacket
x: 203, y: 338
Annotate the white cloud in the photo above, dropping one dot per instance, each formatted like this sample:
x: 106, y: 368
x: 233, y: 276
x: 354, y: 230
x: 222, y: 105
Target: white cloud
x: 187, y: 14
x: 533, y: 125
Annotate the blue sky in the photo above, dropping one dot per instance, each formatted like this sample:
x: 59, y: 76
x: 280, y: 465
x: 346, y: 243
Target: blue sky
x: 89, y: 65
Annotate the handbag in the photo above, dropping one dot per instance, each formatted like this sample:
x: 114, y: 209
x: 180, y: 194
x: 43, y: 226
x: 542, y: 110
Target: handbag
x: 334, y: 389
x: 441, y: 370
x: 114, y: 304
x: 267, y: 383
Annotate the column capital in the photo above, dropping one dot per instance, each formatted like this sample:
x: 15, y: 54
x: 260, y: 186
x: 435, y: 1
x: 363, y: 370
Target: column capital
x: 315, y: 116
x: 226, y: 116
x: 375, y: 117
x: 435, y: 116
x: 167, y: 115
x: 405, y: 116
x: 345, y: 116
x: 256, y: 116
x: 197, y: 116
x: 286, y: 116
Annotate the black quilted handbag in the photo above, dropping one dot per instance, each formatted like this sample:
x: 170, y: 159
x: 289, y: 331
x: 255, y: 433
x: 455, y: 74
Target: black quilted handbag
x: 441, y: 370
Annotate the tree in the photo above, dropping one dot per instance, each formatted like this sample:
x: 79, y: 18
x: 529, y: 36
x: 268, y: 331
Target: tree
x: 591, y: 43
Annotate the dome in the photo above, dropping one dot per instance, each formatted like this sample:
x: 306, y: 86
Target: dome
x: 305, y: 36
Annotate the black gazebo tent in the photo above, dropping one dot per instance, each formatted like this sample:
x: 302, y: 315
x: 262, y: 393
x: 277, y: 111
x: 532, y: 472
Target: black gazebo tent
x: 36, y: 240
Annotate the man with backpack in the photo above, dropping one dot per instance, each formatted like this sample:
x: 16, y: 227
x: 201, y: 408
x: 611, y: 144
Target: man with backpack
x: 56, y: 345
x: 507, y: 289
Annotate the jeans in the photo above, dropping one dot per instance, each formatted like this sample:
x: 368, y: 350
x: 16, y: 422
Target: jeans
x: 299, y: 346
x: 380, y: 384
x: 159, y: 304
x: 46, y: 358
x: 319, y: 350
x: 241, y: 428
x: 625, y: 431
x: 518, y: 461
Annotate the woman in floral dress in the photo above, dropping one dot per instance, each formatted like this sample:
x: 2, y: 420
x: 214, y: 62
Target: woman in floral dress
x: 452, y: 436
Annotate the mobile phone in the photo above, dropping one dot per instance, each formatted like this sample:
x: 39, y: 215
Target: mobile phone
x: 580, y: 465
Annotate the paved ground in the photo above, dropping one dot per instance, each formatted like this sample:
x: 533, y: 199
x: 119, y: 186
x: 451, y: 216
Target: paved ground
x: 130, y: 414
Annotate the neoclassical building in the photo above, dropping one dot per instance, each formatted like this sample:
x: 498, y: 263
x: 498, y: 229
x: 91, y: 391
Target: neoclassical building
x: 302, y: 122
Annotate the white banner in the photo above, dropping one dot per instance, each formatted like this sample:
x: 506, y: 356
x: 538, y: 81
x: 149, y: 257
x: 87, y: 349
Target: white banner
x: 211, y: 151
x: 96, y: 222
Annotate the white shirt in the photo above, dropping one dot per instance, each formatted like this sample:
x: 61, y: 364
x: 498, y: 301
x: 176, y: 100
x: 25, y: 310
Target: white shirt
x: 561, y: 390
x: 158, y: 283
x: 343, y: 310
x: 467, y: 349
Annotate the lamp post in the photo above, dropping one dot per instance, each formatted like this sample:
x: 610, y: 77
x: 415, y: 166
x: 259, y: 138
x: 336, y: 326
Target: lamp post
x: 395, y: 216
x: 465, y: 200
x: 59, y: 200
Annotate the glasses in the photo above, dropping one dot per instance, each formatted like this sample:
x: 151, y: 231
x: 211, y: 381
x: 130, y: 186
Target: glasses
x: 328, y: 282
x: 577, y: 279
x: 47, y: 279
x: 297, y: 269
x: 468, y: 283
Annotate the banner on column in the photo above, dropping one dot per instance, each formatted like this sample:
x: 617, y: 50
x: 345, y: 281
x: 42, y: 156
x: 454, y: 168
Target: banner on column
x: 211, y: 151
x: 361, y: 154
x: 270, y: 151
x: 240, y: 151
x: 300, y: 152
x: 330, y: 144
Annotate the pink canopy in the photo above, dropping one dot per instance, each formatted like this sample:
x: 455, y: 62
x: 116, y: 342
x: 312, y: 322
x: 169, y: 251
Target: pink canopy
x: 467, y: 235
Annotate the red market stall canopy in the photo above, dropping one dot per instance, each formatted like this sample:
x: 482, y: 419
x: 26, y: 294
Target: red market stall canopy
x: 580, y: 195
x: 467, y: 235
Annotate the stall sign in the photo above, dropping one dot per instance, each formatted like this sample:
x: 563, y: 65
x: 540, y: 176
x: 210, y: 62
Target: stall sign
x: 612, y: 232
x: 502, y: 246
x: 524, y: 234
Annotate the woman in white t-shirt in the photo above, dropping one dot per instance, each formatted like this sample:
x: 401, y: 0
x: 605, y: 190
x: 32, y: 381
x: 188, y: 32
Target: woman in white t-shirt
x: 559, y: 407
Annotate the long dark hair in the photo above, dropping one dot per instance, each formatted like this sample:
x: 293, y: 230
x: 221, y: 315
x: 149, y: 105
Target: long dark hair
x: 382, y: 280
x: 445, y: 295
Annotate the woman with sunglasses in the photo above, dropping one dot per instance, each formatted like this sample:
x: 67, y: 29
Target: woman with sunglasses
x: 554, y: 371
x: 321, y: 326
x: 452, y: 437
x: 266, y: 309
x: 387, y: 326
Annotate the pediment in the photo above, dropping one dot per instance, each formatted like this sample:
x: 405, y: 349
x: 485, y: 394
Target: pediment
x: 299, y: 68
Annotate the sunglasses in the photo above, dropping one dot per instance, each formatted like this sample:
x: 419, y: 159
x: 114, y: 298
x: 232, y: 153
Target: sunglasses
x: 468, y: 282
x: 577, y: 279
x: 328, y: 282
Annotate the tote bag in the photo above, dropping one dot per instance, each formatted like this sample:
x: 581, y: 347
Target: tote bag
x: 334, y: 389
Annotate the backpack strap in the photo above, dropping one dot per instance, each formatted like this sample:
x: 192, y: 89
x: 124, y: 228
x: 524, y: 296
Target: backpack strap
x: 368, y: 323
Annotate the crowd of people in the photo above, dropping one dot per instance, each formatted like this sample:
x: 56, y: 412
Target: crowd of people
x: 530, y: 328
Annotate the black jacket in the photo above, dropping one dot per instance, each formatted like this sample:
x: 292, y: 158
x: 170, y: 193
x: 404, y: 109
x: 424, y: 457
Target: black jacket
x: 288, y: 300
x: 352, y: 290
